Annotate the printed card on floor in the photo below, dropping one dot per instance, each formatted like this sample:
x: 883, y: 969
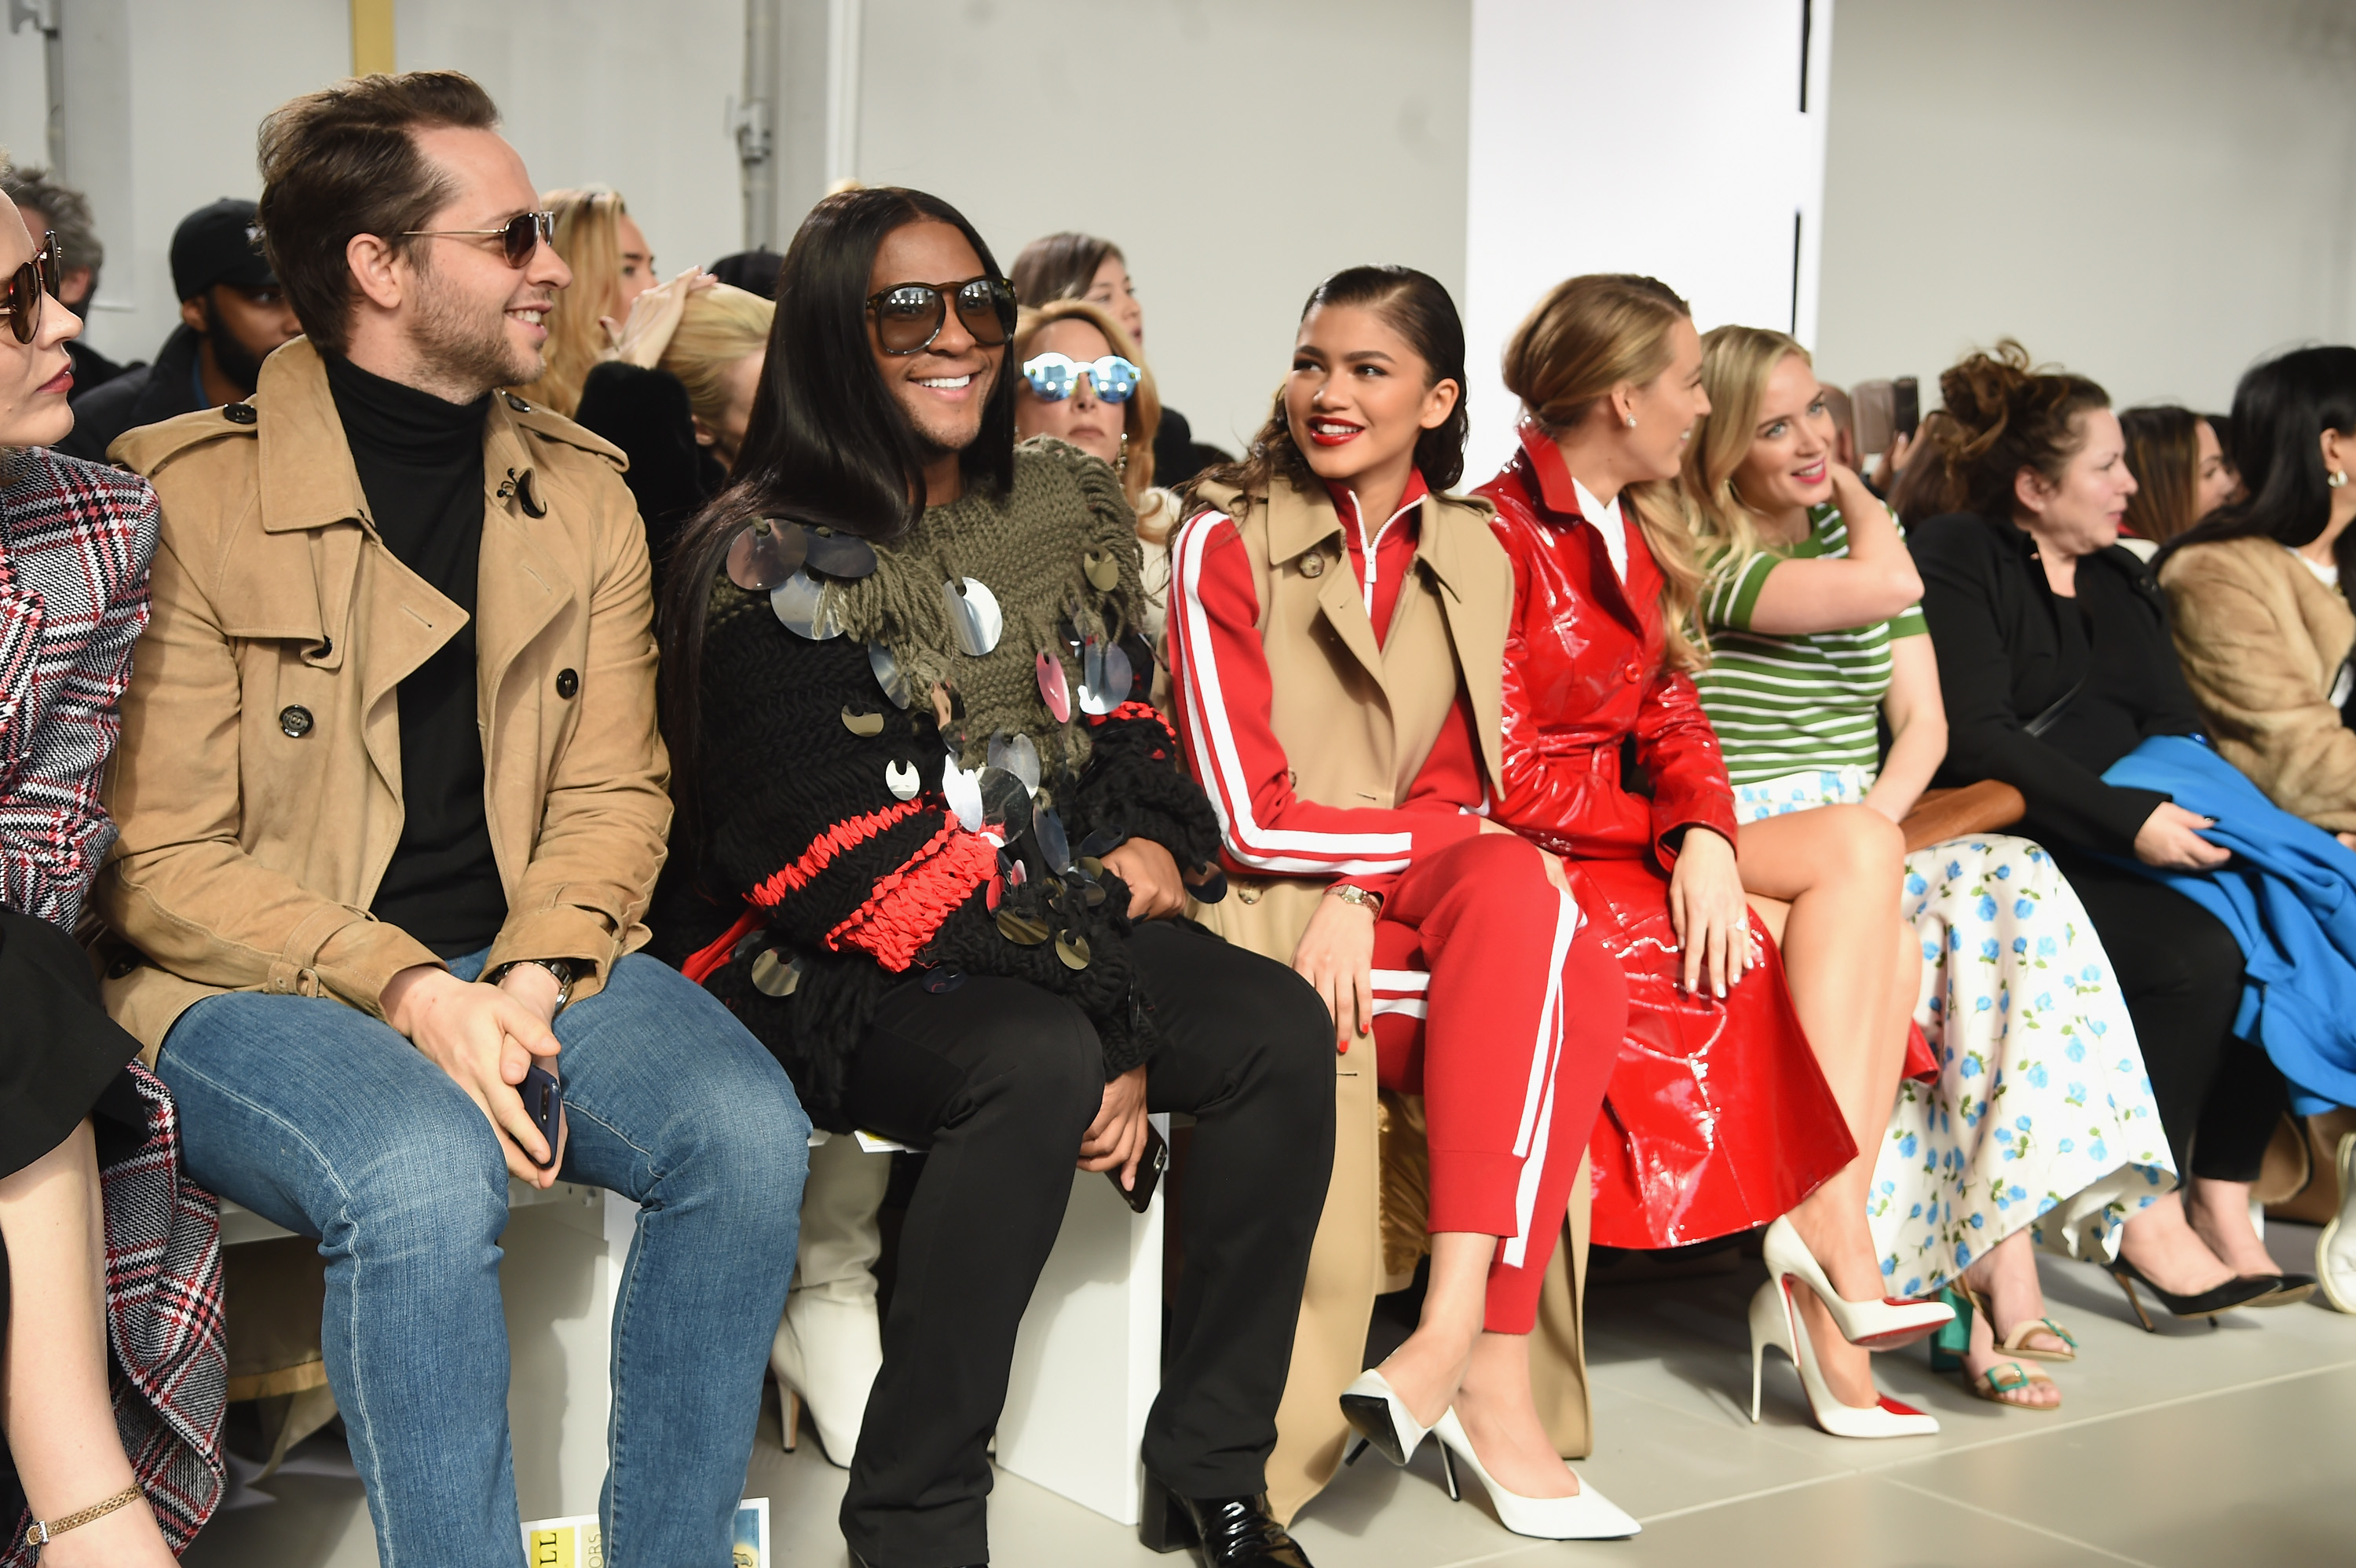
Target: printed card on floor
x: 751, y: 1543
x: 574, y: 1542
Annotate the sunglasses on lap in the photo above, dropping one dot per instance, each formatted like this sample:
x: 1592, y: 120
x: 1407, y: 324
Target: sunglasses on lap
x: 1055, y: 377
x: 909, y: 316
x: 20, y: 296
x: 519, y: 237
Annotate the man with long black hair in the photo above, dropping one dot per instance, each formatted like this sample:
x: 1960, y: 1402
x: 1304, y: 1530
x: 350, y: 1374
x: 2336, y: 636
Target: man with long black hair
x: 934, y: 848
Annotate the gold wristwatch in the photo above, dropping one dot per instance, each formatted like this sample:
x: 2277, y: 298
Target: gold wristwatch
x: 1371, y: 903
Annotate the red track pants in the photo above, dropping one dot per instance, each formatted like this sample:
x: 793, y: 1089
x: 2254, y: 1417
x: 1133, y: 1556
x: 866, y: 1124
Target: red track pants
x: 1494, y: 1000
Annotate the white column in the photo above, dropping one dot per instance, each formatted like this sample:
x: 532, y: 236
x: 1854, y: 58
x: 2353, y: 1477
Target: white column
x: 1666, y: 138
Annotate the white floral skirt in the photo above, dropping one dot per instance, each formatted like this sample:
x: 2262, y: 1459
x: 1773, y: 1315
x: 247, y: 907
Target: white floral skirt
x: 2042, y: 1114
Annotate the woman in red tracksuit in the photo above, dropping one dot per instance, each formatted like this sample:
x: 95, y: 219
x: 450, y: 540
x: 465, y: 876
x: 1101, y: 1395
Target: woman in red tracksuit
x: 1724, y: 1114
x: 1336, y: 629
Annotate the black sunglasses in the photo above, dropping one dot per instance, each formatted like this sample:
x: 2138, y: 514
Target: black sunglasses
x: 520, y: 236
x: 908, y: 316
x: 20, y: 298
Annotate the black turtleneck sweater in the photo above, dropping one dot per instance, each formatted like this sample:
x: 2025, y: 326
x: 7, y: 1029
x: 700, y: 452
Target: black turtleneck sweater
x: 421, y: 465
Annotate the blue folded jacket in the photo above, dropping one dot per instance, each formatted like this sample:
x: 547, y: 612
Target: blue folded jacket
x: 2289, y: 898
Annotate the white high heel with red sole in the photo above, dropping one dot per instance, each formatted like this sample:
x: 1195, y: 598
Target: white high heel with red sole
x: 1775, y: 1320
x: 1882, y: 1325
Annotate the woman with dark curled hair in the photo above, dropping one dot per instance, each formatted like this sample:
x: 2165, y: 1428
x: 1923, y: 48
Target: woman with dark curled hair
x: 2055, y: 661
x: 930, y: 850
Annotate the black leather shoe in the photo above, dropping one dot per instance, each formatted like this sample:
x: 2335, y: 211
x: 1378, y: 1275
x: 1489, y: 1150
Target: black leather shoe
x: 859, y: 1561
x: 2289, y: 1290
x: 1224, y: 1532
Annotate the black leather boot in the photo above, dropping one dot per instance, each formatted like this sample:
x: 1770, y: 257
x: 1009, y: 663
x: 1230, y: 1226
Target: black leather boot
x: 1224, y: 1532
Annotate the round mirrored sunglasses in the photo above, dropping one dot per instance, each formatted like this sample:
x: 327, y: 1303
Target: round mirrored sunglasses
x: 1054, y: 376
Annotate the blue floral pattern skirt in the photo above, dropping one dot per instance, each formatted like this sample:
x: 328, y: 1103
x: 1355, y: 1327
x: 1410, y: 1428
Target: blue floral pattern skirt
x: 2042, y: 1114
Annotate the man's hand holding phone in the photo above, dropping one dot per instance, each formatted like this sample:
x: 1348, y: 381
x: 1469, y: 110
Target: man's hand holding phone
x: 485, y: 1038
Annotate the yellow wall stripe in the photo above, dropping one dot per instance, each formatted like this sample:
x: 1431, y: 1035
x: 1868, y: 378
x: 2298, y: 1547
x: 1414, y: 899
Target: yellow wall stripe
x: 372, y: 37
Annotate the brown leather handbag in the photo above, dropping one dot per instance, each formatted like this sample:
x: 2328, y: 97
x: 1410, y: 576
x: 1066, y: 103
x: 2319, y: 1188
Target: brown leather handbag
x: 1987, y: 806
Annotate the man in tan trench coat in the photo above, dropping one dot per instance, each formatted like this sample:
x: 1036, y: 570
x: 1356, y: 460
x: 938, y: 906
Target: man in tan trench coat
x: 393, y: 803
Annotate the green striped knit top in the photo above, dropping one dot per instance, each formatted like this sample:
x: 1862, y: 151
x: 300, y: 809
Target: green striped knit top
x: 1788, y: 704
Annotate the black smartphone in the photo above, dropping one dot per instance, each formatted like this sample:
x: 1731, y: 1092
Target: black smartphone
x: 1149, y: 1167
x: 543, y: 1102
x: 1906, y: 406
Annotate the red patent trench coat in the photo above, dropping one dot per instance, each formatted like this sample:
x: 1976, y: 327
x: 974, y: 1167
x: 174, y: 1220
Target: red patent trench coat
x: 1718, y: 1119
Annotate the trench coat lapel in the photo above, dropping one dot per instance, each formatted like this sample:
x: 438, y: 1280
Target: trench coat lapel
x: 1465, y: 584
x: 1298, y: 523
x: 518, y: 588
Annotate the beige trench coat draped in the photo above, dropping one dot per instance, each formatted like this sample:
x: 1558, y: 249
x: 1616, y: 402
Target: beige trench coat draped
x: 257, y: 785
x: 1358, y: 720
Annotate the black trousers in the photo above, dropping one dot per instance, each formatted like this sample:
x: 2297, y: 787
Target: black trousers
x: 1001, y: 1080
x: 2181, y: 970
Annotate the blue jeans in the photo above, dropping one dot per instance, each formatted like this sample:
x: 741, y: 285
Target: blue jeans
x: 329, y: 1123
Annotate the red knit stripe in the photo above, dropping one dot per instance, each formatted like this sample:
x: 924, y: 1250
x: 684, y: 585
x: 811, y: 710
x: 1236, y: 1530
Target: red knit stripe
x: 843, y: 836
x: 908, y: 905
x: 1140, y: 710
x: 700, y: 963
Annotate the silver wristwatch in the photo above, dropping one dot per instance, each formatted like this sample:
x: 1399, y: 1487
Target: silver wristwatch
x: 560, y: 967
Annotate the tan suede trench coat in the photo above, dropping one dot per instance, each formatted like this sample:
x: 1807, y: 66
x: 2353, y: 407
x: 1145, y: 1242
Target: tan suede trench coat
x: 1358, y: 720
x: 257, y: 785
x: 2262, y: 641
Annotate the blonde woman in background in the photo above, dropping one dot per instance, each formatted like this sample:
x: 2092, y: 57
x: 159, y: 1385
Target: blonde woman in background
x: 1084, y: 381
x: 2041, y: 1110
x: 612, y: 266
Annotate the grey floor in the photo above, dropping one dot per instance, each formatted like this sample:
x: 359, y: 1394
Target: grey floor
x: 2186, y: 1449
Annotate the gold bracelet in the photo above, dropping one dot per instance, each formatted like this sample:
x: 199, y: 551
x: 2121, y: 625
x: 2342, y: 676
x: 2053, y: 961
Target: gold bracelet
x: 41, y: 1534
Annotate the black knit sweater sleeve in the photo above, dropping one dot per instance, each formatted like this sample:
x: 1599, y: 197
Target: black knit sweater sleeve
x: 804, y: 831
x: 1134, y: 788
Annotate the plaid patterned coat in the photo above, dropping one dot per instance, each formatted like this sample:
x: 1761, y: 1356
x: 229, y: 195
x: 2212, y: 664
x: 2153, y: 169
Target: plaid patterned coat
x: 75, y: 540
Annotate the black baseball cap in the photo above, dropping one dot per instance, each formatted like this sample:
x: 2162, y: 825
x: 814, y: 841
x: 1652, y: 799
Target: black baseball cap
x: 218, y: 244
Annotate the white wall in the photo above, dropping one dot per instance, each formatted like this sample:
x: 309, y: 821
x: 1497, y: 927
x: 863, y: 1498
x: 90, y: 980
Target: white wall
x: 164, y: 97
x: 612, y: 92
x: 2154, y: 194
x: 1238, y: 151
x: 1664, y: 138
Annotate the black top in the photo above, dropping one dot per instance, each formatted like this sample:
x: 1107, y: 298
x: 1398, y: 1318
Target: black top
x: 647, y: 414
x: 421, y: 464
x: 2009, y: 648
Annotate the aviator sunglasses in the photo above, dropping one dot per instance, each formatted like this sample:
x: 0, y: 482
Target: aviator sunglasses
x: 20, y: 297
x: 1055, y: 377
x: 909, y: 316
x: 519, y: 237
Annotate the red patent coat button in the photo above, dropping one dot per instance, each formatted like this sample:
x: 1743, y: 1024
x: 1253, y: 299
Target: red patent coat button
x: 1634, y: 671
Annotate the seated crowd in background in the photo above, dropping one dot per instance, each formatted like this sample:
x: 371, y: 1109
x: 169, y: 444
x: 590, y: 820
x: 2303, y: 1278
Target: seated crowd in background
x: 1671, y: 837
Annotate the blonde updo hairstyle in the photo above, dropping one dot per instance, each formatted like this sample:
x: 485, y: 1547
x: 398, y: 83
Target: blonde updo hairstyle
x: 1737, y: 362
x: 589, y: 238
x: 1590, y: 335
x: 1141, y: 417
x: 717, y: 328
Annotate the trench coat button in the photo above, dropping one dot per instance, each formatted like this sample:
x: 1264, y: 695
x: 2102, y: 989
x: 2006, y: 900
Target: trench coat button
x: 294, y: 722
x: 238, y: 413
x: 1312, y: 565
x: 122, y: 966
x: 568, y: 682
